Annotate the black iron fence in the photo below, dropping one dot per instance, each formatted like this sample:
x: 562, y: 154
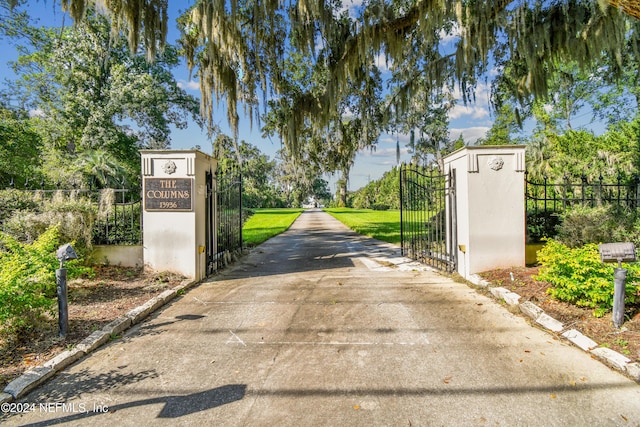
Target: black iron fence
x: 118, y: 216
x: 229, y: 215
x: 545, y: 200
x: 428, y: 217
x: 117, y: 213
x: 121, y: 223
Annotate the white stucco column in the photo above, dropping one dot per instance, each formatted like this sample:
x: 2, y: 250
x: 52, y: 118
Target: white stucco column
x: 490, y: 205
x: 174, y: 210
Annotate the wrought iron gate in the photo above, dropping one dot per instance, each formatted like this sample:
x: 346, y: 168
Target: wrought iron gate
x: 428, y: 217
x: 223, y: 213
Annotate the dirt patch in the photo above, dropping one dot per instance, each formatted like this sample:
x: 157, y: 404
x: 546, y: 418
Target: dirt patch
x: 625, y: 340
x: 93, y: 303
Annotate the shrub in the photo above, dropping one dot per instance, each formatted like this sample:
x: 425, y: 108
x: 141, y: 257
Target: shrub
x: 582, y: 225
x: 380, y: 207
x: 578, y: 276
x: 630, y: 231
x: 27, y: 280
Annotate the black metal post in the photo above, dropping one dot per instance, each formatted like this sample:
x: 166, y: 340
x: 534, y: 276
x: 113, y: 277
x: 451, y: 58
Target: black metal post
x: 619, y: 280
x: 452, y: 235
x: 402, y: 251
x: 240, y: 243
x: 63, y: 305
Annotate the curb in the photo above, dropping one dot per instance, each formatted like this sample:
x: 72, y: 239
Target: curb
x: 37, y: 376
x: 610, y: 357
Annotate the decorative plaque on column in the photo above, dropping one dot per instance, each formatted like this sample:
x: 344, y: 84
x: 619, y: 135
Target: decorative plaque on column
x: 168, y: 194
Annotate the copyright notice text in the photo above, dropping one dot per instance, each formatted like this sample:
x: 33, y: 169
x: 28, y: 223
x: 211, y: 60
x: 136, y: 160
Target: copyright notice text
x: 52, y: 407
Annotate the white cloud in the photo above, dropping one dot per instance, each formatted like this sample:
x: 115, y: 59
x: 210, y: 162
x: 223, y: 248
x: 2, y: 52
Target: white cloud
x: 382, y: 62
x: 36, y: 113
x: 478, y: 109
x: 474, y: 111
x: 189, y: 85
x: 352, y: 6
x: 447, y: 37
x: 390, y: 139
x: 495, y: 71
x: 385, y: 152
x: 470, y: 134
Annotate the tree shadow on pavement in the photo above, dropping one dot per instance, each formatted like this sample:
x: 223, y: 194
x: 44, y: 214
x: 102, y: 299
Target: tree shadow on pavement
x: 69, y: 385
x: 174, y: 406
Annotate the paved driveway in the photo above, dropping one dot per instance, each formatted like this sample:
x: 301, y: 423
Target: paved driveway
x: 322, y: 327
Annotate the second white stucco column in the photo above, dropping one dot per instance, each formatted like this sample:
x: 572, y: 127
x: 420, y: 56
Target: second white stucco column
x: 490, y: 206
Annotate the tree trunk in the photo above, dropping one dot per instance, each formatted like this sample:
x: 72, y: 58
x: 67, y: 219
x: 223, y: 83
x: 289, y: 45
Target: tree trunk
x: 342, y: 183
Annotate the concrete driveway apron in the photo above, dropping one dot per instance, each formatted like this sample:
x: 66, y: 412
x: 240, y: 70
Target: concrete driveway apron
x: 322, y: 327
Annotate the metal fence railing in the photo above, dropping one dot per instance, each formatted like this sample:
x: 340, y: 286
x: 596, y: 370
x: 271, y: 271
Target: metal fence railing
x: 546, y: 200
x: 122, y: 223
x: 428, y: 230
x: 229, y: 215
x: 118, y: 211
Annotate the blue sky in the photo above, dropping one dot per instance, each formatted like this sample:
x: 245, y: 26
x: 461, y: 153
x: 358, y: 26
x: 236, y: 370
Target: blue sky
x: 472, y: 120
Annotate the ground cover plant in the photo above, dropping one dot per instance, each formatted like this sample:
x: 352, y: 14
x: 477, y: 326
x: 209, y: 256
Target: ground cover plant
x: 266, y: 223
x: 27, y: 281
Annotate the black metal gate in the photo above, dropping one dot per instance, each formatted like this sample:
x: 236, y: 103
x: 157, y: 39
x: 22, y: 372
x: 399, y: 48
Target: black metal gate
x: 223, y: 213
x: 428, y: 229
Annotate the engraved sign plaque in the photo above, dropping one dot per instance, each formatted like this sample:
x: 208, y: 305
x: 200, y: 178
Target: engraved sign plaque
x: 168, y: 194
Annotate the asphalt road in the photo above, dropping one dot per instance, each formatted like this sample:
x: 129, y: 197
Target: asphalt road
x: 322, y: 327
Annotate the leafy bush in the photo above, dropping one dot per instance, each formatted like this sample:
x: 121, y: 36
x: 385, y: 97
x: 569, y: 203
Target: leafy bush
x: 578, y: 276
x: 629, y: 228
x: 582, y: 225
x: 27, y: 280
x: 603, y: 224
x: 380, y: 207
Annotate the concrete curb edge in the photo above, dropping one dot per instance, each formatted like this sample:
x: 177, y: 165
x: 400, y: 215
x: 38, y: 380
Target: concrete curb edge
x: 610, y: 357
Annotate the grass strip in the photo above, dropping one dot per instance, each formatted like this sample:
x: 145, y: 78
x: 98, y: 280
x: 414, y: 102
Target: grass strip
x: 266, y: 223
x: 381, y: 225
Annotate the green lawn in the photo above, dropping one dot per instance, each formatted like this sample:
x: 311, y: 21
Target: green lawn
x: 266, y: 223
x: 381, y: 225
